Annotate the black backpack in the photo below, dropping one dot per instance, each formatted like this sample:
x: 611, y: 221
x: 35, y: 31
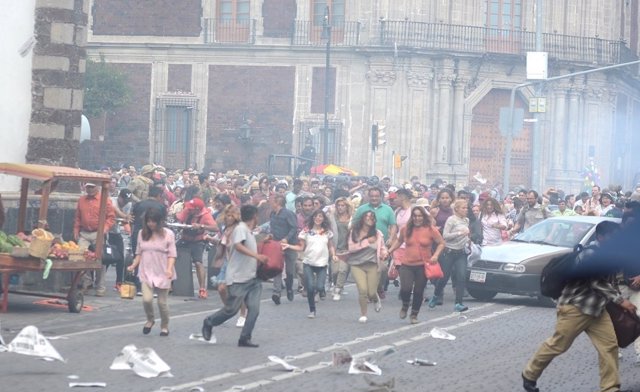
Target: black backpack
x: 557, y: 273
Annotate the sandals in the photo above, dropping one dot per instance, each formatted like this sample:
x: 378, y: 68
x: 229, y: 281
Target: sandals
x: 202, y: 294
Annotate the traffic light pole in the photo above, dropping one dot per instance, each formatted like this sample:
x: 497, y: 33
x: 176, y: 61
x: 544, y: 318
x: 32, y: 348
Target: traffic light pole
x: 512, y: 100
x: 325, y: 134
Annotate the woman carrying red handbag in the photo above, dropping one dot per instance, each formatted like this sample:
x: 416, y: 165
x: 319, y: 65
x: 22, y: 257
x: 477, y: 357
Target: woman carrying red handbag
x: 418, y: 235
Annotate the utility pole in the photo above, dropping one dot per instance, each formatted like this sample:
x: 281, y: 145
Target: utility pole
x: 326, y: 31
x: 537, y: 148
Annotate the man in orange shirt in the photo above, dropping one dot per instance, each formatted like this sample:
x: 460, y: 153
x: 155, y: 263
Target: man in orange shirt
x: 85, y: 228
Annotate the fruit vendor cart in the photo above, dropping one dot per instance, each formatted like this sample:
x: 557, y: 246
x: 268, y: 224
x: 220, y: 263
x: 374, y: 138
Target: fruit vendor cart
x: 16, y: 264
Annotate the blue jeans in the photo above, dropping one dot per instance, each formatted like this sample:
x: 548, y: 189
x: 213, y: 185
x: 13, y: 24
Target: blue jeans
x: 454, y: 266
x: 250, y: 293
x: 314, y: 278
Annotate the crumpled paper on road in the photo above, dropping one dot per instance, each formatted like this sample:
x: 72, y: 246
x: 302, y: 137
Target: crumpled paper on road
x: 198, y: 337
x: 144, y: 362
x: 29, y: 341
x: 359, y: 366
x: 341, y: 357
x: 438, y: 333
x: 285, y: 364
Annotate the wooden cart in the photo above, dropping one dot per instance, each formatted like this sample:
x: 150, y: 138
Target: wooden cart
x: 14, y: 265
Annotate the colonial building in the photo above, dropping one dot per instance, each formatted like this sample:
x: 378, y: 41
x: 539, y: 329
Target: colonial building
x: 222, y: 84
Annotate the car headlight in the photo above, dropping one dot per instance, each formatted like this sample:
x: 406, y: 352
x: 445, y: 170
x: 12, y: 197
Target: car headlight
x: 518, y: 268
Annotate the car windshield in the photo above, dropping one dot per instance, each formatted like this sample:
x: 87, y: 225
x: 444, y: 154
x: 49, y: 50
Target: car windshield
x: 556, y: 232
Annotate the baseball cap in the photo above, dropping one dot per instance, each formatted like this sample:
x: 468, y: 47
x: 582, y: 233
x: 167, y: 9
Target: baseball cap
x: 195, y: 204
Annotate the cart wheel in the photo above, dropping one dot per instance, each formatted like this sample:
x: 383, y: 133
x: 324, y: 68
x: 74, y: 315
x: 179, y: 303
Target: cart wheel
x: 75, y: 301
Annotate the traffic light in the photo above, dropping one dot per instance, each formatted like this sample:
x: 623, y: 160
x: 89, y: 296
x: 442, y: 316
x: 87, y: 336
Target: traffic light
x: 397, y: 161
x: 378, y: 136
x: 382, y: 135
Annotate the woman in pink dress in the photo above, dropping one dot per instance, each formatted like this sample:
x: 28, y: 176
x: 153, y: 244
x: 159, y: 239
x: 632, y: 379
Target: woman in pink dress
x: 156, y: 256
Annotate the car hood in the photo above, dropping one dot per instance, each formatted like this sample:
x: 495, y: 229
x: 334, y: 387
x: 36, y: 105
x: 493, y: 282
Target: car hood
x: 517, y: 252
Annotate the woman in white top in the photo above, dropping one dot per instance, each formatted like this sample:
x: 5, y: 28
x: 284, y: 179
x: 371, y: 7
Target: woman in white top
x: 493, y: 222
x: 316, y: 244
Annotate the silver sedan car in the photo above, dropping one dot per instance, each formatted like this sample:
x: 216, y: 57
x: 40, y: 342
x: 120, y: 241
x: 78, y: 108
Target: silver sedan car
x: 514, y: 267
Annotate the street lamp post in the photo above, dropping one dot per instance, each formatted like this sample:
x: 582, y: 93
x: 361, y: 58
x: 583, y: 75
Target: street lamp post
x: 326, y: 32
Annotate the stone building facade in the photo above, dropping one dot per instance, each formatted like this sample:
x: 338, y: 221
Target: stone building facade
x: 222, y: 84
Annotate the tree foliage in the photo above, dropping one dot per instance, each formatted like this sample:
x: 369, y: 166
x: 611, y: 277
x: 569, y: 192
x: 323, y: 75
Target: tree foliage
x: 105, y: 89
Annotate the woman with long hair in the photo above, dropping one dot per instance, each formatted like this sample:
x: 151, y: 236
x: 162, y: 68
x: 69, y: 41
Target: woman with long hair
x: 340, y: 216
x: 454, y: 259
x: 441, y: 207
x: 316, y: 247
x: 156, y: 258
x: 419, y: 236
x: 367, y: 253
x: 493, y: 222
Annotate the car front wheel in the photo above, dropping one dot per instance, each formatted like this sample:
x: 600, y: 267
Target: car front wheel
x: 482, y: 295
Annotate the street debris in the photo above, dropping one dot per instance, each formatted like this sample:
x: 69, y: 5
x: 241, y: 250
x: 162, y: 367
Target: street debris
x: 341, y: 357
x: 196, y: 389
x: 30, y: 342
x: 282, y: 362
x: 198, y: 337
x: 421, y: 362
x: 87, y: 384
x: 73, y: 377
x: 438, y: 333
x: 385, y: 386
x: 359, y: 366
x: 144, y: 362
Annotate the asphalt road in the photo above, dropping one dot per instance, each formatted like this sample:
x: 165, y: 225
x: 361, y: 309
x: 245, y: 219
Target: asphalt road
x: 493, y: 342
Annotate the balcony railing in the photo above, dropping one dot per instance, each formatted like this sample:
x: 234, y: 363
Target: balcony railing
x: 342, y: 34
x: 431, y: 37
x: 471, y: 39
x: 230, y: 31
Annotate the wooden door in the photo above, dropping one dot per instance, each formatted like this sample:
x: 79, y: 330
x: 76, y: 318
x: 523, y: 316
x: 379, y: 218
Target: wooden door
x: 487, y: 145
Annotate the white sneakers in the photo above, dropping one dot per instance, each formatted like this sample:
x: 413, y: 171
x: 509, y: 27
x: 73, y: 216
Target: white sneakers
x: 311, y: 315
x: 336, y: 296
x: 240, y: 322
x: 362, y: 319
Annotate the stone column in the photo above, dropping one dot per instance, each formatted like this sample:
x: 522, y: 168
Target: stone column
x: 58, y: 81
x: 443, y: 152
x: 560, y: 130
x: 572, y: 153
x: 457, y: 140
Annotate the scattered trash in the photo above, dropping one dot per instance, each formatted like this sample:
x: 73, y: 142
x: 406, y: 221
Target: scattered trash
x: 386, y: 386
x: 198, y: 337
x: 341, y: 357
x: 30, y: 342
x: 462, y: 317
x: 421, y: 362
x: 196, y: 389
x: 144, y: 362
x: 87, y: 384
x: 73, y: 377
x: 282, y: 362
x: 438, y: 333
x: 364, y: 367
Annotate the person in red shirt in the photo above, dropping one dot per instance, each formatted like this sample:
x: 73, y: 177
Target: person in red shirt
x: 196, y: 214
x: 85, y: 228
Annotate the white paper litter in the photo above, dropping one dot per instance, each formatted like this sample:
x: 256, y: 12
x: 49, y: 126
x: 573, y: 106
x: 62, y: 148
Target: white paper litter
x: 73, y: 377
x: 421, y: 362
x: 144, y: 362
x: 88, y: 384
x: 30, y: 342
x: 282, y: 362
x: 198, y: 337
x: 364, y: 367
x: 438, y: 333
x: 121, y: 361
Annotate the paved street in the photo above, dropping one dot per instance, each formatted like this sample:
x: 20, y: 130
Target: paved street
x: 492, y: 344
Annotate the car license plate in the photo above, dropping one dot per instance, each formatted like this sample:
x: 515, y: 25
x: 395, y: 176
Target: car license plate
x: 478, y: 276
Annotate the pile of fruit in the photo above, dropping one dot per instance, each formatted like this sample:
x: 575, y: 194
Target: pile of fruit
x: 60, y: 250
x: 7, y: 242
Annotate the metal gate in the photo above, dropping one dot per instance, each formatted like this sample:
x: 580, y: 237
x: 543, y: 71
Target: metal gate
x: 175, y: 133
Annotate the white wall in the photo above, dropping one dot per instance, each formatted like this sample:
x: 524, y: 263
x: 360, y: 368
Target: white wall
x: 16, y: 28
